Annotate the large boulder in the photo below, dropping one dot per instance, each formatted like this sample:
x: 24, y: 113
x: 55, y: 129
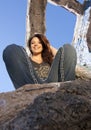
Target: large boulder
x: 54, y: 106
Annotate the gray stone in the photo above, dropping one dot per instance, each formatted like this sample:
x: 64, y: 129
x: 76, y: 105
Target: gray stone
x: 54, y: 106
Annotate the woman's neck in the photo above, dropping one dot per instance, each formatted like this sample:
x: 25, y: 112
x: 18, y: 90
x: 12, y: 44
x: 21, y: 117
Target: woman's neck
x: 37, y: 58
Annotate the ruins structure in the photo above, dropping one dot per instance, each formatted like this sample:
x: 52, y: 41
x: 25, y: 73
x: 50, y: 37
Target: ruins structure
x: 36, y: 22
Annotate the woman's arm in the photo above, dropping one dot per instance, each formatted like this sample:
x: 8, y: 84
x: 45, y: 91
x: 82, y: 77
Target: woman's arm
x: 54, y: 50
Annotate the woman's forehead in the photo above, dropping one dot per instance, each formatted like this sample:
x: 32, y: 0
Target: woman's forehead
x: 35, y: 39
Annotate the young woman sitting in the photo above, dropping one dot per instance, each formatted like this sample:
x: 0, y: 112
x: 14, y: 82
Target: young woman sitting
x: 45, y: 64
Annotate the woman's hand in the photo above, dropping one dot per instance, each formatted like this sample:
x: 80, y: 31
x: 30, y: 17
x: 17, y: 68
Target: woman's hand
x: 54, y: 50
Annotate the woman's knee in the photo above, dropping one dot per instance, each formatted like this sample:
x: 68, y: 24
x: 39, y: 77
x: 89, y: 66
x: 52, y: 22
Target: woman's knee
x: 70, y: 56
x: 69, y: 50
x: 9, y: 51
x: 69, y: 47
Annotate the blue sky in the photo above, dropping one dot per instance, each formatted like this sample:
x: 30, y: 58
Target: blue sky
x: 59, y: 23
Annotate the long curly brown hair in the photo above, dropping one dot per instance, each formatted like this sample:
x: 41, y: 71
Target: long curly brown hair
x: 46, y: 53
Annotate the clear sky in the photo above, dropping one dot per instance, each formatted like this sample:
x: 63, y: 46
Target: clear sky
x: 59, y: 23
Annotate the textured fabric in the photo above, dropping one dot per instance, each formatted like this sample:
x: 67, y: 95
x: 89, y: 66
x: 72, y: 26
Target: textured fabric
x: 62, y: 65
x: 42, y: 70
x: 22, y: 71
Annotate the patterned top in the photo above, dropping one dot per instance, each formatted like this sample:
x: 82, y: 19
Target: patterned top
x: 42, y: 69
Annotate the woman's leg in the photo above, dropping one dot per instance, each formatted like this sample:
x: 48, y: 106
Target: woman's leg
x: 63, y: 67
x: 18, y: 66
x: 70, y: 60
x: 54, y: 71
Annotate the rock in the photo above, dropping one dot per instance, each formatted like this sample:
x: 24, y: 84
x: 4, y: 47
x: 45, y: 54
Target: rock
x: 54, y: 106
x: 83, y: 72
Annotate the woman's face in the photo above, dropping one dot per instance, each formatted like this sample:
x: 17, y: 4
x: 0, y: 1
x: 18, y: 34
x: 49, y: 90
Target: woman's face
x: 36, y: 46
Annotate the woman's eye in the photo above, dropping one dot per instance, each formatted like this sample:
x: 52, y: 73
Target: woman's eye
x: 40, y: 43
x: 36, y: 43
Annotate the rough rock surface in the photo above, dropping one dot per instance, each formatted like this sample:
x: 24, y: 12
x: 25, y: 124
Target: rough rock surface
x: 59, y: 106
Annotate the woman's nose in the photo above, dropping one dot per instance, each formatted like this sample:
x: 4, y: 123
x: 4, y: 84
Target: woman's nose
x: 35, y: 44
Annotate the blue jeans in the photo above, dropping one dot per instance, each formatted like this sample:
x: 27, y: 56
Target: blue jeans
x: 21, y: 71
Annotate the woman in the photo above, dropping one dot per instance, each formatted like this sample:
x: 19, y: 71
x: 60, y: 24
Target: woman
x: 44, y: 65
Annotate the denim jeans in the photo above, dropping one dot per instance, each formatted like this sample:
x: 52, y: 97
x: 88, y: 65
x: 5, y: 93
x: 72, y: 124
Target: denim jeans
x: 21, y: 71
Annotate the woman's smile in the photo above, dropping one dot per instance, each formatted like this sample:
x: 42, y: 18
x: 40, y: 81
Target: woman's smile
x: 36, y: 46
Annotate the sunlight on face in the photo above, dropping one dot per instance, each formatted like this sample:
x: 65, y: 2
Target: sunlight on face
x: 36, y: 46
